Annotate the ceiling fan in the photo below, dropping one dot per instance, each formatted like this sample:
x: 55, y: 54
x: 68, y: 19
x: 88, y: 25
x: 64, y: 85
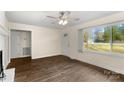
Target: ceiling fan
x: 63, y: 17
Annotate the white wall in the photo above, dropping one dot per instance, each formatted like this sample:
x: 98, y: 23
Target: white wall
x: 3, y: 20
x: 113, y: 63
x: 45, y: 41
x: 2, y: 43
x: 4, y: 38
x: 65, y: 43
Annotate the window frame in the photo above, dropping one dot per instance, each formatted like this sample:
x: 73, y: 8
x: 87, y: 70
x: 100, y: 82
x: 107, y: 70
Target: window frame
x: 109, y: 53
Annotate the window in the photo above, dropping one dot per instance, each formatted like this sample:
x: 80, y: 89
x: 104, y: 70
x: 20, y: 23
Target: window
x: 97, y: 39
x: 104, y: 38
x: 118, y: 38
x: 101, y: 39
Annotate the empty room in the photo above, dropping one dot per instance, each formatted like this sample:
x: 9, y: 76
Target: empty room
x: 61, y: 46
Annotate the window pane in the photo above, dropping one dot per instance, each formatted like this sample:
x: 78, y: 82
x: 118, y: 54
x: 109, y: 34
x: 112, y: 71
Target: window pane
x: 118, y: 38
x: 99, y: 39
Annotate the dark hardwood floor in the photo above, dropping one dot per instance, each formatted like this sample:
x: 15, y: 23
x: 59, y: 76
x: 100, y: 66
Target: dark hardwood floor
x: 60, y: 69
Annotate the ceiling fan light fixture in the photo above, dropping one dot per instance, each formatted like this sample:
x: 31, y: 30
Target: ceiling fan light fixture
x: 65, y: 22
x: 61, y: 22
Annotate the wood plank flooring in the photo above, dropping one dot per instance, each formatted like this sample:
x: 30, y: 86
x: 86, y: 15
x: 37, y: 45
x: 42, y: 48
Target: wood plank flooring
x: 59, y: 69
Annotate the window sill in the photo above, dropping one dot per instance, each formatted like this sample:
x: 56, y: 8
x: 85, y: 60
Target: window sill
x: 111, y: 54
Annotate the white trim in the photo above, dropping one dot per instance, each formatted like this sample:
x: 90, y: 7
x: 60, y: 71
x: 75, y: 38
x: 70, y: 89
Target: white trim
x: 112, y: 54
x: 103, y: 25
x: 21, y: 56
x: 3, y: 27
x: 3, y: 30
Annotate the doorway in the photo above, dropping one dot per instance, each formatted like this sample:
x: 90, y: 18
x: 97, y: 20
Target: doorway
x: 20, y: 43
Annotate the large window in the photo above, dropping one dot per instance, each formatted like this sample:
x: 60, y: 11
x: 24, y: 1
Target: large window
x: 107, y: 38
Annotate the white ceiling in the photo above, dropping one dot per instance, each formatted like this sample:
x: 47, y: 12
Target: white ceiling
x: 39, y: 17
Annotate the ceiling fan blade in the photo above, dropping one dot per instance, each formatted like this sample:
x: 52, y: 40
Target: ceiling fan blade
x: 74, y: 19
x: 51, y: 17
